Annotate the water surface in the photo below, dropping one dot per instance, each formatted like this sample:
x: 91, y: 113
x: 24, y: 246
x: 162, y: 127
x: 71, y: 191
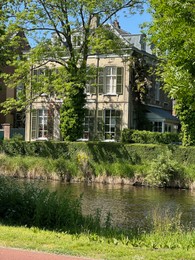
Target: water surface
x: 130, y: 206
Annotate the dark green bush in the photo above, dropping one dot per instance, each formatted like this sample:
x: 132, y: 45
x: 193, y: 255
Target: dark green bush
x: 38, y: 148
x: 147, y: 137
x: 126, y: 136
x: 33, y: 206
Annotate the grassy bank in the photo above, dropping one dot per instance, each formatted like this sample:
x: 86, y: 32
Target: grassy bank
x: 97, y: 247
x: 161, y: 171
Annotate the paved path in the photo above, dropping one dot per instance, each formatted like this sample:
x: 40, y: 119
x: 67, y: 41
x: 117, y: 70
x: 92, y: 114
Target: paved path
x: 17, y: 254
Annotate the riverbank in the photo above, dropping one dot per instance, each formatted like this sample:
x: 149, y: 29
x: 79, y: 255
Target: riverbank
x: 160, y: 172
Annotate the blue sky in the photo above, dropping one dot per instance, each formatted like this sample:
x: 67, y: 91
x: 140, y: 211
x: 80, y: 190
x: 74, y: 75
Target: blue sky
x: 132, y: 23
x: 129, y: 23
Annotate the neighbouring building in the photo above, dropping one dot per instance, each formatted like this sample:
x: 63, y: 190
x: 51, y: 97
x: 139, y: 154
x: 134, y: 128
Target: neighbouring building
x: 116, y: 101
x: 15, y: 119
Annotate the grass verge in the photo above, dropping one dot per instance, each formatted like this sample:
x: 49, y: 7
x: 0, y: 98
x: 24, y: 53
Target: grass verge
x: 91, y: 246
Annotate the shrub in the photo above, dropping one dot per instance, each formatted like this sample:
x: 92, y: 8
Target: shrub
x: 33, y: 206
x: 65, y: 168
x: 147, y: 137
x: 165, y: 220
x: 126, y: 136
x: 17, y: 137
x: 83, y: 161
x: 164, y: 170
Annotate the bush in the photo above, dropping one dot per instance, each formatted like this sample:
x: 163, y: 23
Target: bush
x: 126, y: 136
x: 17, y: 137
x: 164, y: 171
x: 29, y: 205
x: 65, y: 168
x: 147, y: 137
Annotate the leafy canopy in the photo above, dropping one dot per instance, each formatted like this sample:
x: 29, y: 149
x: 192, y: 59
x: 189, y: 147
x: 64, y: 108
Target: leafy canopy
x: 63, y: 34
x: 173, y: 32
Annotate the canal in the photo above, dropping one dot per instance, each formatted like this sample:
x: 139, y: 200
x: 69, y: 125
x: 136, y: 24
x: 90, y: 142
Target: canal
x: 130, y: 206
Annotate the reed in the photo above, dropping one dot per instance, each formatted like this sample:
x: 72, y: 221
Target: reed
x: 29, y: 205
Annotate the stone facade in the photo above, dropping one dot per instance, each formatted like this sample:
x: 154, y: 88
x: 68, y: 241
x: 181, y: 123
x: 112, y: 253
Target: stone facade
x: 111, y: 104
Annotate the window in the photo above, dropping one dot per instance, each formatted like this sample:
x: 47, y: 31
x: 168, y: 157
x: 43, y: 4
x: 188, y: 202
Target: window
x: 143, y: 43
x: 19, y: 121
x: 112, y: 123
x: 108, y: 124
x: 77, y: 40
x: 157, y: 91
x: 89, y: 124
x: 19, y: 91
x: 37, y: 74
x: 111, y: 80
x: 157, y: 127
x: 168, y: 128
x: 40, y: 124
x: 91, y: 85
x: 43, y: 77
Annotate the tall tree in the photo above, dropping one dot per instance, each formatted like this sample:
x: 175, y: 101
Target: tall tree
x: 75, y: 27
x: 173, y: 32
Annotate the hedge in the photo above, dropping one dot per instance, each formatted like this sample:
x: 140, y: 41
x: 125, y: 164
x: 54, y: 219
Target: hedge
x: 147, y: 137
x: 97, y: 151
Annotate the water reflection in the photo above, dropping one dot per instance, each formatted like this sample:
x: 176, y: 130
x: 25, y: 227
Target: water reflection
x: 129, y: 206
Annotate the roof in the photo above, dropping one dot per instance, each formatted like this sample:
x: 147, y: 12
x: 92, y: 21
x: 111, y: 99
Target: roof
x: 137, y: 40
x: 162, y: 113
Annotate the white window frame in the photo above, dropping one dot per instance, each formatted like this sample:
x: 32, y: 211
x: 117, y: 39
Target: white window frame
x: 110, y: 79
x: 110, y: 123
x: 39, y: 124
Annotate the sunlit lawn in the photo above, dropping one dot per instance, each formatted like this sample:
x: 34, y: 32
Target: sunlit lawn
x: 91, y: 246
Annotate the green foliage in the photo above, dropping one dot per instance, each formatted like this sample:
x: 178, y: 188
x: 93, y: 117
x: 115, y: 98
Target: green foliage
x: 9, y: 38
x: 17, y: 137
x: 118, y: 169
x: 172, y: 34
x: 66, y: 169
x: 165, y: 221
x: 43, y: 149
x: 83, y: 160
x: 75, y: 27
x: 35, y: 207
x: 72, y: 114
x: 126, y: 136
x: 147, y: 137
x: 164, y: 171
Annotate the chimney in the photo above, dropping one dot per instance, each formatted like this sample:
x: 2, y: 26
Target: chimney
x: 94, y: 21
x: 116, y: 24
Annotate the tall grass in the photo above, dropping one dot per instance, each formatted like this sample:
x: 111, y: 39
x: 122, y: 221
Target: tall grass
x: 62, y: 168
x: 162, y: 171
x: 29, y: 205
x: 164, y: 220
